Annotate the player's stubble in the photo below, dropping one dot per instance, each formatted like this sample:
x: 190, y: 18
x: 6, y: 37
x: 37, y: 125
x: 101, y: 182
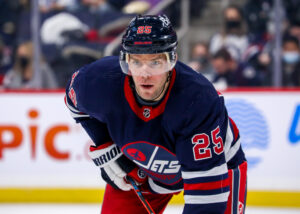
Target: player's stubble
x: 152, y: 87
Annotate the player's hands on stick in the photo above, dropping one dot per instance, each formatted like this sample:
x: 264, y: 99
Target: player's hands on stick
x: 115, y: 166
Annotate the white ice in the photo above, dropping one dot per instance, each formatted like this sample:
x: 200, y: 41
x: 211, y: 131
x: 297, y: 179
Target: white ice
x: 95, y: 209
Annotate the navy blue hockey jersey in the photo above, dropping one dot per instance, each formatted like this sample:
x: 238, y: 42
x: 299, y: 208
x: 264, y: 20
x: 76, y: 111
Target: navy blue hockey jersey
x: 186, y: 142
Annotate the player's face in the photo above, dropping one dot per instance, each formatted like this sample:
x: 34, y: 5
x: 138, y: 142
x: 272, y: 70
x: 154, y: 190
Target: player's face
x: 146, y: 70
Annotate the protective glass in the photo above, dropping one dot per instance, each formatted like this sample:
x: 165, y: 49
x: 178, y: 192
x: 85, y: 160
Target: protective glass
x: 138, y: 65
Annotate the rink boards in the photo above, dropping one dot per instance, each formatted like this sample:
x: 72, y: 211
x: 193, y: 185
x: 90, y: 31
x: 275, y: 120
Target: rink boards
x: 43, y: 152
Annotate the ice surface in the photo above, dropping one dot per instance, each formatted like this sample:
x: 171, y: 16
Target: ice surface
x: 95, y: 209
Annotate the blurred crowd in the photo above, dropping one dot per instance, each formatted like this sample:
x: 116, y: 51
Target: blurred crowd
x: 76, y: 32
x: 241, y: 54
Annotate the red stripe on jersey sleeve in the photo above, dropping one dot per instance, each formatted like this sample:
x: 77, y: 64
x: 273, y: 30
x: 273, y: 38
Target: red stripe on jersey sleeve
x: 207, y: 185
x: 243, y: 181
x: 65, y: 99
x: 229, y: 202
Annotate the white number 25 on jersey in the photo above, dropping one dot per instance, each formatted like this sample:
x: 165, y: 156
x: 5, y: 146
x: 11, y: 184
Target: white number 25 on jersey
x: 201, y: 148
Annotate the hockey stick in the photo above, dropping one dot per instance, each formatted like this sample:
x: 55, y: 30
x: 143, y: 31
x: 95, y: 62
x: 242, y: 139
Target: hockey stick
x: 141, y: 197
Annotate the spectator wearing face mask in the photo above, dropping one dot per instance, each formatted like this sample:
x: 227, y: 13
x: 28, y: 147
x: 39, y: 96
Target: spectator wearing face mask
x: 22, y: 75
x: 233, y: 35
x: 291, y: 61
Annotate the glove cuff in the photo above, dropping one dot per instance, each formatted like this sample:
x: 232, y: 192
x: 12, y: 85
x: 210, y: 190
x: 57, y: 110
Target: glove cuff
x: 104, y: 153
x: 102, y: 146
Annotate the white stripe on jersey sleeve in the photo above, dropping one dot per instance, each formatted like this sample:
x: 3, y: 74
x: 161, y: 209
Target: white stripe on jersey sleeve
x: 74, y: 115
x: 233, y: 150
x: 218, y: 170
x: 208, y: 199
x: 229, y: 150
x: 159, y: 189
x: 229, y: 139
x: 74, y: 112
x: 71, y: 107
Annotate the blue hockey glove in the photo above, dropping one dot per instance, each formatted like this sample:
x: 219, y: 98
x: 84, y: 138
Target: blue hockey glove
x: 115, y: 166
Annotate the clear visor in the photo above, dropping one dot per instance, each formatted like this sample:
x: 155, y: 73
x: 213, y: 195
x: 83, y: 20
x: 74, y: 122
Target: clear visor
x: 146, y: 64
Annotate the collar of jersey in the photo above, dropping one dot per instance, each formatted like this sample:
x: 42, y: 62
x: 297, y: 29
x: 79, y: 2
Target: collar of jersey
x: 154, y: 110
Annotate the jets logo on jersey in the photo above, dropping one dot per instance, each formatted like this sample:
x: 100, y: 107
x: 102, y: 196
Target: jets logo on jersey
x: 156, y: 161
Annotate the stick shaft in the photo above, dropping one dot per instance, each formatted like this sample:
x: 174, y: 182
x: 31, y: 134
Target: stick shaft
x: 140, y: 196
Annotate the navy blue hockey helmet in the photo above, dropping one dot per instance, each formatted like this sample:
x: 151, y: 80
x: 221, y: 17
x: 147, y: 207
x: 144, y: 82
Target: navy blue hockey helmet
x: 150, y: 34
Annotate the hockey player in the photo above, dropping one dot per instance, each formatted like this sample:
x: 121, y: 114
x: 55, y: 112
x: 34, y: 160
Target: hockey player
x: 154, y: 119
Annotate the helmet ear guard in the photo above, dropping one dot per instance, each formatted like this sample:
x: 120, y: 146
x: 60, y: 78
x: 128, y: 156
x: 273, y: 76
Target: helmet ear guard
x: 122, y: 56
x: 171, y: 56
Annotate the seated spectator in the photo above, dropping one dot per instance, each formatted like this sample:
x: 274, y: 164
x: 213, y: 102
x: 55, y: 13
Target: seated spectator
x: 225, y: 67
x: 90, y: 28
x: 294, y: 30
x: 201, y: 60
x: 256, y: 60
x: 9, y: 16
x: 233, y: 35
x: 257, y: 15
x: 291, y: 61
x: 22, y: 75
x: 256, y: 69
x: 54, y: 32
x: 9, y: 13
